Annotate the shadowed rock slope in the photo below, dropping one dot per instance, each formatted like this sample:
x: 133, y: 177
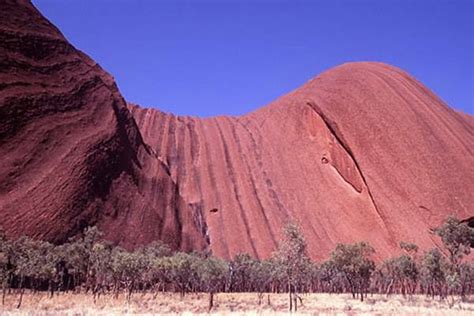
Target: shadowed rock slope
x: 71, y: 153
x: 362, y: 152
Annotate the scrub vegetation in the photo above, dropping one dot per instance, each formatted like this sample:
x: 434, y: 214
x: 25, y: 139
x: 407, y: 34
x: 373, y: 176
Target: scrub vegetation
x: 96, y: 270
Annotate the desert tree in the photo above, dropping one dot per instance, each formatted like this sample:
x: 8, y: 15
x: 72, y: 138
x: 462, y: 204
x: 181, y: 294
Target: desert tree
x: 155, y: 249
x: 433, y: 272
x: 401, y: 273
x: 154, y: 271
x: 6, y: 263
x: 32, y: 263
x: 23, y: 256
x: 240, y: 269
x: 212, y: 275
x: 92, y: 235
x: 76, y: 258
x: 160, y: 273
x: 75, y: 263
x: 100, y: 267
x: 181, y: 271
x: 128, y: 268
x: 409, y: 248
x: 261, y: 277
x: 466, y: 280
x: 354, y: 263
x: 291, y: 256
x: 457, y: 238
x: 326, y: 275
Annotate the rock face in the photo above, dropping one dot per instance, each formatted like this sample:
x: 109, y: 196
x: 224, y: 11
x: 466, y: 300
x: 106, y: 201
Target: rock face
x: 362, y: 152
x: 72, y: 155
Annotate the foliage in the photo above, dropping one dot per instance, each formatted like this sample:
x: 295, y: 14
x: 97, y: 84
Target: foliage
x: 354, y: 263
x: 400, y: 274
x: 291, y: 256
x: 409, y: 247
x: 433, y: 271
x: 457, y: 238
x: 291, y: 260
x: 92, y: 265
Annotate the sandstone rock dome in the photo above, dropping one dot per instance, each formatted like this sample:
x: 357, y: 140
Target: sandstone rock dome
x: 361, y: 152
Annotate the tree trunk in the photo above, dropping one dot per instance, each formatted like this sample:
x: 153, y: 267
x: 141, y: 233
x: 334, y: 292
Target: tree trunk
x: 211, y: 300
x: 68, y: 282
x: 4, y: 293
x: 94, y: 295
x: 51, y: 288
x: 130, y: 290
x: 291, y: 301
x: 21, y: 293
x: 289, y: 294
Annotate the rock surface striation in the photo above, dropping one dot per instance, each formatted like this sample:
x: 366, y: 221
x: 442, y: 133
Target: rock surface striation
x: 361, y: 152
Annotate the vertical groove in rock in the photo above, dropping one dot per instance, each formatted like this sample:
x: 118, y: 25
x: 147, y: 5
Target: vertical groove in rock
x: 266, y: 178
x: 235, y: 188
x: 216, y: 197
x: 248, y: 171
x: 181, y: 156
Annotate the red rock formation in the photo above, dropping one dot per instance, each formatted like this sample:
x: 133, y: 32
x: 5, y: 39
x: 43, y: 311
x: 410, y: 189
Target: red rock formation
x: 71, y: 152
x: 362, y: 152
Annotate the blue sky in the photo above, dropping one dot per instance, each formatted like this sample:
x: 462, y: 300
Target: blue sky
x: 208, y: 58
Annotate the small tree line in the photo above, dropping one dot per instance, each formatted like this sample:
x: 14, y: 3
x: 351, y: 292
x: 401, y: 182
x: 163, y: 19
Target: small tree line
x: 89, y: 264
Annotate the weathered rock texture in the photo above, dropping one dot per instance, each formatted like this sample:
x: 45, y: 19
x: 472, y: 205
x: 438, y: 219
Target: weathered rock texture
x: 362, y: 152
x: 71, y: 153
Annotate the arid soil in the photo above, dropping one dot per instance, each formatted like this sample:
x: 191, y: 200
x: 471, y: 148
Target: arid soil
x: 361, y: 152
x: 234, y: 304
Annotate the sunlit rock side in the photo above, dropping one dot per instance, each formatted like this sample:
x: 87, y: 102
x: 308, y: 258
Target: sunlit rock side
x: 361, y: 152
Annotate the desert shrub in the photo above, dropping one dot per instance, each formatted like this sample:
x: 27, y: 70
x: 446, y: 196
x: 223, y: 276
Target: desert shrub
x: 291, y: 260
x: 400, y: 273
x: 6, y: 264
x: 354, y: 263
x: 330, y: 279
x: 182, y: 272
x: 241, y: 268
x: 212, y: 276
x: 433, y: 275
x: 261, y: 276
x: 457, y: 238
x: 466, y: 279
x: 96, y: 266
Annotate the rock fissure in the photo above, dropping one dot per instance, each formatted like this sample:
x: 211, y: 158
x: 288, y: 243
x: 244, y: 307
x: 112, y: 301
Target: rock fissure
x: 250, y: 173
x: 340, y: 139
x: 233, y: 179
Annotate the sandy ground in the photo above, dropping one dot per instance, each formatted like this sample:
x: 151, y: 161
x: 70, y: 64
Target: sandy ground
x: 231, y: 304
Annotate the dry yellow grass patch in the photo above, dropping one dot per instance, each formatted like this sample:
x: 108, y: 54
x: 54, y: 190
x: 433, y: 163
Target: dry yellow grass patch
x: 230, y: 304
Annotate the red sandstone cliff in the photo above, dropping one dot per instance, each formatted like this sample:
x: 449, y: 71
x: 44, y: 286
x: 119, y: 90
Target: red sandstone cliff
x: 362, y: 152
x: 71, y: 153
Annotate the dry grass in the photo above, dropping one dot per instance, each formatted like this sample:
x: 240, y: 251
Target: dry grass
x: 230, y: 303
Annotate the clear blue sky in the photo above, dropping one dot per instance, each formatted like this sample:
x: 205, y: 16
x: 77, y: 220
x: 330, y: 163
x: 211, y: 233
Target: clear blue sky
x: 230, y: 57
